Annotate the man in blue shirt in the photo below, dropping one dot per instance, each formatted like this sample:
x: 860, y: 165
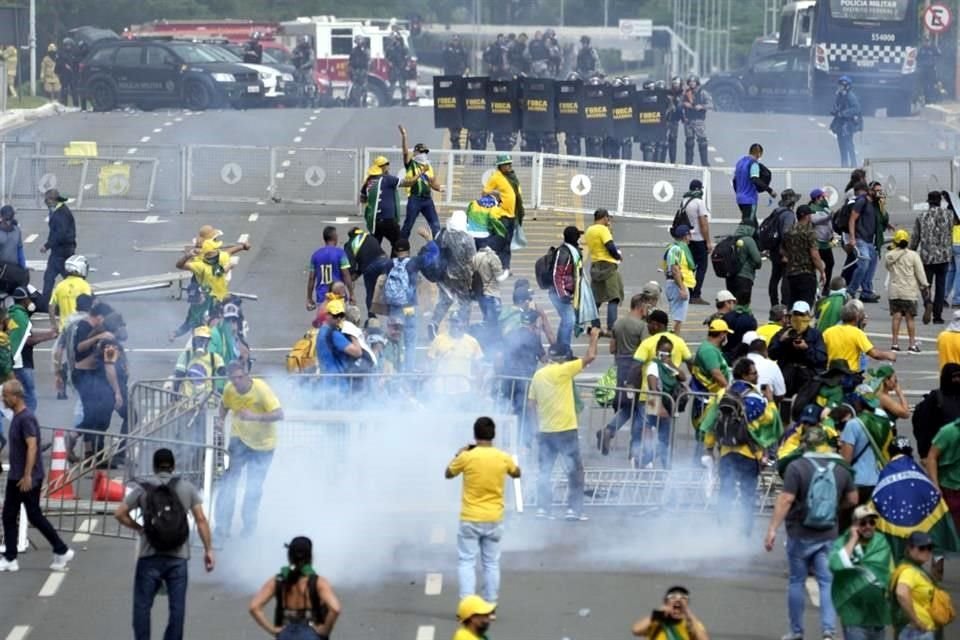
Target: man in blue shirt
x: 334, y: 348
x: 749, y: 178
x: 328, y: 264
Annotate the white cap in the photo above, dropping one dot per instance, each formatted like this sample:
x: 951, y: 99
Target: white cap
x: 725, y: 296
x: 800, y: 306
x: 955, y: 323
x: 750, y: 336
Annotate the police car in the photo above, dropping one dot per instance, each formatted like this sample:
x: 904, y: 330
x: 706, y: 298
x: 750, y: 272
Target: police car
x: 777, y: 82
x: 150, y: 74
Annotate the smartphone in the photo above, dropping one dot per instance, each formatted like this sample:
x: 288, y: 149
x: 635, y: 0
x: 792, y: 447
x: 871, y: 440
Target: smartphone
x: 658, y: 615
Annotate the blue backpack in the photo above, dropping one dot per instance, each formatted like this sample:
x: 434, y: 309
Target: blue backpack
x: 821, y: 503
x: 396, y: 288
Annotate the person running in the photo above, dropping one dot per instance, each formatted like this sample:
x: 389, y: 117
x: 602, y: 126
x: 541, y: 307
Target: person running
x: 24, y: 482
x: 605, y: 278
x: 164, y: 550
x: 328, y: 264
x: 256, y: 412
x: 484, y: 469
x: 673, y: 620
x: 63, y: 300
x: 908, y: 284
x: 421, y: 180
x: 307, y: 607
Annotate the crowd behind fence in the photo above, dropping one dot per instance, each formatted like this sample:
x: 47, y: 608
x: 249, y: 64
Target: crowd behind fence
x: 172, y: 178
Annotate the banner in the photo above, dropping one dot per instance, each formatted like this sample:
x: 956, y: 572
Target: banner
x: 623, y: 101
x: 596, y: 111
x: 569, y: 94
x: 475, y: 103
x: 537, y: 101
x: 651, y: 109
x: 447, y: 102
x: 503, y: 112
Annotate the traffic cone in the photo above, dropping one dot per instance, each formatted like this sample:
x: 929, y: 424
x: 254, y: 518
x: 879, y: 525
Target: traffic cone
x: 107, y: 490
x: 57, y: 487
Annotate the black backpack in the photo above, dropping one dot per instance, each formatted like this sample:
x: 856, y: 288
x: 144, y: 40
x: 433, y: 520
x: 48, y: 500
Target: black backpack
x: 318, y: 608
x: 840, y: 220
x: 724, y: 258
x: 681, y: 217
x: 768, y: 236
x: 543, y: 268
x: 164, y: 516
x: 731, y: 425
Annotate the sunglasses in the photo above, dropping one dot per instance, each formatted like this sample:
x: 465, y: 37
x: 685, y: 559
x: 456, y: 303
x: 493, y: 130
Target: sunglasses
x: 870, y: 522
x: 677, y: 596
x: 926, y: 547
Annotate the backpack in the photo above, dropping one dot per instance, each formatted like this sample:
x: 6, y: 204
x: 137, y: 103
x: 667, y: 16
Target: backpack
x: 821, y: 502
x: 681, y: 217
x: 724, y: 258
x: 543, y: 268
x: 318, y: 608
x: 303, y: 354
x: 768, y: 236
x: 434, y: 270
x: 164, y: 516
x: 730, y: 428
x: 396, y: 289
x: 840, y: 219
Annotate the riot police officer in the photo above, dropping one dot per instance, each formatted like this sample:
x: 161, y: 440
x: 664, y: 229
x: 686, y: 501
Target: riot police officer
x: 67, y: 70
x: 649, y: 147
x: 304, y: 60
x: 455, y: 61
x: 253, y: 51
x: 396, y: 55
x: 495, y: 59
x: 696, y: 103
x: 359, y: 66
x: 674, y: 118
x: 588, y: 62
x: 517, y: 56
x: 660, y: 146
x: 594, y: 145
x: 572, y: 142
x: 539, y: 56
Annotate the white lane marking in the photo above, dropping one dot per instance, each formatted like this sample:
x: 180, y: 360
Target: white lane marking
x: 157, y: 130
x: 281, y: 175
x: 52, y: 585
x: 253, y: 217
x: 285, y: 164
x: 719, y: 159
x: 426, y: 632
x: 811, y: 119
x: 292, y: 152
x: 178, y: 119
x: 244, y: 237
x: 19, y: 632
x: 312, y: 118
x: 144, y: 139
x: 86, y: 526
x: 30, y: 238
x: 307, y: 124
x: 131, y: 151
x: 151, y: 219
x: 434, y: 584
x: 821, y: 125
x: 438, y: 535
x: 298, y: 139
x: 316, y: 110
x: 302, y: 129
x: 168, y: 124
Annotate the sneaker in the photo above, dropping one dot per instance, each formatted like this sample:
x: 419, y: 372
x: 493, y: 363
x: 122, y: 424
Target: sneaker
x: 699, y: 301
x: 938, y: 321
x: 895, y: 347
x: 813, y: 590
x: 870, y: 299
x: 792, y: 636
x: 60, y: 560
x: 9, y: 565
x: 927, y: 312
x: 573, y: 516
x: 914, y: 348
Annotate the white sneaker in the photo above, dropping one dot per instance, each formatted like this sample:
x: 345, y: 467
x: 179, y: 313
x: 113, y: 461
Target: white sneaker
x: 573, y: 516
x: 813, y: 590
x: 9, y: 565
x: 60, y: 560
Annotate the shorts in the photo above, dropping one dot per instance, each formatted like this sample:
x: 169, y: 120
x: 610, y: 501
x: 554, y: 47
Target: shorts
x: 905, y: 307
x: 678, y: 307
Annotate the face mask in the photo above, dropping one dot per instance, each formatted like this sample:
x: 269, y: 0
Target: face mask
x: 800, y: 323
x: 663, y: 355
x: 483, y: 627
x: 421, y: 158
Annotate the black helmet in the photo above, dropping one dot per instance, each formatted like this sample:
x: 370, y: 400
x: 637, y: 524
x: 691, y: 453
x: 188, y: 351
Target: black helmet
x: 573, y: 76
x: 304, y: 39
x: 659, y: 84
x: 256, y: 35
x: 693, y: 78
x: 648, y: 85
x: 68, y: 43
x: 584, y: 40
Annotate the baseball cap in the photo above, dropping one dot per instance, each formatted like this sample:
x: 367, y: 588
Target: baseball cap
x: 867, y: 395
x: 560, y: 352
x: 529, y: 317
x: 522, y: 291
x: 420, y: 148
x: 696, y: 185
x: 724, y: 296
x: 336, y: 307
x: 402, y: 244
x: 750, y: 337
x: 864, y: 511
x: 231, y: 310
x: 681, y: 231
x: 817, y: 193
x: 901, y: 235
x: 810, y: 414
x: 53, y: 194
x: 504, y: 158
x: 202, y: 331
x: 20, y: 293
x: 660, y: 316
x: 473, y: 606
x: 719, y: 325
x: 919, y: 539
x: 801, y: 307
x: 955, y: 322
x: 380, y: 161
x: 651, y: 289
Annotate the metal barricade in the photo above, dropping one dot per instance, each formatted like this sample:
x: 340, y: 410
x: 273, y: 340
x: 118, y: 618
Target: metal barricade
x: 9, y: 153
x: 908, y: 180
x: 656, y: 190
x: 221, y: 173
x: 579, y: 184
x: 316, y: 176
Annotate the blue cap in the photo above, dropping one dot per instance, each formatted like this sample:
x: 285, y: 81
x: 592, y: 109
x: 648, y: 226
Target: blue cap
x: 845, y: 80
x: 681, y: 231
x: 811, y: 414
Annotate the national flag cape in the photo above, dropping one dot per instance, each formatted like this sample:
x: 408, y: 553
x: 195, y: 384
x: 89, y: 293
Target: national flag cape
x: 880, y: 430
x: 790, y: 446
x: 860, y: 592
x: 907, y: 501
x: 763, y: 420
x: 483, y: 218
x: 370, y: 209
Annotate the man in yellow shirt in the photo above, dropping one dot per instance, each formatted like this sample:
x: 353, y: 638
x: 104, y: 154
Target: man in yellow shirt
x: 484, y: 469
x: 455, y: 355
x: 681, y: 275
x: 551, y: 396
x: 504, y: 182
x: 913, y: 588
x: 210, y: 264
x: 256, y: 412
x: 847, y: 341
x: 778, y: 319
x: 948, y: 342
x: 674, y: 620
x: 605, y: 279
x: 474, y: 615
x: 63, y: 300
x: 646, y: 352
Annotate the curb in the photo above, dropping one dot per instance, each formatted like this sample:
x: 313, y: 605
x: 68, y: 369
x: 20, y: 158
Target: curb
x: 16, y: 117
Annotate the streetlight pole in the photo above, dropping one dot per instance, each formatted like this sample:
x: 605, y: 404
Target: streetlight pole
x: 33, y: 47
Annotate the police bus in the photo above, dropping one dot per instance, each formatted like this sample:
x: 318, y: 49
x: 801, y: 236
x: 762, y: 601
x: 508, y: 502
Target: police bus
x: 874, y: 42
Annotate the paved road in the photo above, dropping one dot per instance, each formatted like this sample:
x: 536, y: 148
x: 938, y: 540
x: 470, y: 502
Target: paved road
x: 614, y: 567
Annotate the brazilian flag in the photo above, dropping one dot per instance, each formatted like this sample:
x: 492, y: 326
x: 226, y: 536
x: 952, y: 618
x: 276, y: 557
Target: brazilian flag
x: 763, y: 419
x: 483, y: 216
x: 881, y: 432
x: 907, y: 501
x: 790, y: 446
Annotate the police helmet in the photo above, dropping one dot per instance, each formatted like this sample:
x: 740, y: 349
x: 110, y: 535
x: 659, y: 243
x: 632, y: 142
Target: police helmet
x: 845, y: 80
x: 304, y: 39
x: 584, y: 40
x: 659, y: 84
x: 77, y: 265
x: 595, y: 80
x: 648, y: 85
x: 256, y: 35
x: 693, y: 79
x: 68, y: 43
x: 573, y: 76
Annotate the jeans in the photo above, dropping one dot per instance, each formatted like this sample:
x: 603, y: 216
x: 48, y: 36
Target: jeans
x: 565, y: 445
x: 699, y: 250
x: 152, y: 571
x: 30, y: 500
x: 912, y: 633
x: 864, y: 633
x: 848, y: 155
x: 96, y: 395
x: 678, y: 306
x: 650, y: 451
x: 936, y: 277
x: 490, y: 308
x: 862, y: 281
x: 515, y: 392
x: 952, y: 289
x: 415, y: 206
x: 26, y: 378
x: 298, y: 631
x: 370, y: 276
x: 627, y: 405
x: 748, y: 213
x: 55, y: 267
x: 483, y: 539
x: 736, y: 469
x: 801, y: 556
x: 828, y: 263
x: 568, y: 318
x: 257, y: 464
x: 801, y: 286
x: 779, y: 286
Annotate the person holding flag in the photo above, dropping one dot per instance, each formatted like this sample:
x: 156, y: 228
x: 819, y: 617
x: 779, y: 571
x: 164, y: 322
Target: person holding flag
x: 860, y: 562
x: 483, y: 221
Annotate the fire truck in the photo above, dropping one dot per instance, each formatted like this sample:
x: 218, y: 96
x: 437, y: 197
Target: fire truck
x: 333, y: 39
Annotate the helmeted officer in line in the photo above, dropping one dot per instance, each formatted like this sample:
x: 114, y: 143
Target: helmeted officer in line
x: 594, y: 145
x: 572, y: 142
x: 660, y: 146
x: 648, y: 147
x: 674, y: 118
x: 588, y: 62
x: 696, y: 103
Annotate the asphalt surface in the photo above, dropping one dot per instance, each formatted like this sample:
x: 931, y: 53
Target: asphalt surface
x: 584, y: 581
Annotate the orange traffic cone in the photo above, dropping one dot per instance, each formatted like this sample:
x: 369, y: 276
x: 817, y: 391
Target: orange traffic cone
x: 106, y: 489
x: 57, y: 487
